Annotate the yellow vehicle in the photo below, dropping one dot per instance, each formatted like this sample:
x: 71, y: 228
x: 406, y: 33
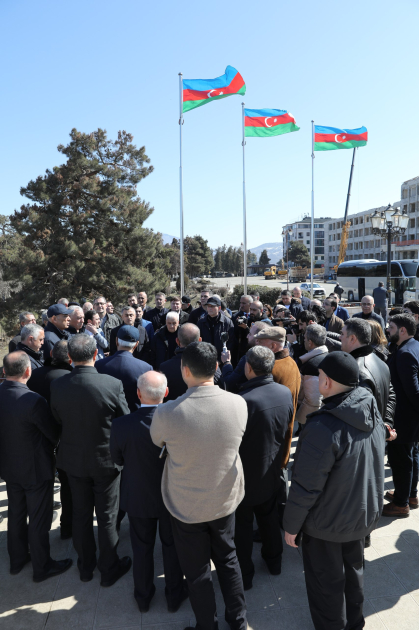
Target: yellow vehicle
x: 270, y: 272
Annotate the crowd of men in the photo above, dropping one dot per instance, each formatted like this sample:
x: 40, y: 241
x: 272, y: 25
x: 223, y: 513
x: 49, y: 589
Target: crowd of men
x: 182, y: 419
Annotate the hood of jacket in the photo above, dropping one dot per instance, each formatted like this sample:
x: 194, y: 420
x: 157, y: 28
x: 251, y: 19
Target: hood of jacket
x: 313, y: 353
x: 356, y: 408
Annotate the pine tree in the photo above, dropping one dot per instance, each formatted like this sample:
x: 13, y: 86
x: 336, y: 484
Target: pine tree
x: 298, y: 254
x: 199, y: 256
x: 82, y: 232
x: 264, y: 258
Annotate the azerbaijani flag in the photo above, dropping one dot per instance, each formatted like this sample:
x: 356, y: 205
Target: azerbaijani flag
x: 330, y: 138
x: 197, y: 92
x: 262, y: 123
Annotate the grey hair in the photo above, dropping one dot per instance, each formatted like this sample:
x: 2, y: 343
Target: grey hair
x: 81, y: 348
x: 172, y: 315
x: 128, y: 308
x: 316, y: 334
x: 63, y: 301
x: 24, y: 316
x: 59, y: 353
x: 247, y: 297
x: 126, y: 344
x: 360, y: 328
x: 30, y: 330
x: 261, y: 360
x: 73, y: 309
x: 152, y: 392
x: 16, y: 363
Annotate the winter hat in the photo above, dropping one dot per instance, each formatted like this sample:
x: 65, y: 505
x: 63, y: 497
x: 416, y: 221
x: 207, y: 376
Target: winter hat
x: 342, y: 368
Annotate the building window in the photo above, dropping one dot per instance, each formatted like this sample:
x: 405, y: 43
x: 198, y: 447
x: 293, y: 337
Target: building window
x: 404, y: 193
x: 307, y: 242
x: 413, y: 191
x: 412, y: 207
x: 412, y: 222
x: 361, y: 219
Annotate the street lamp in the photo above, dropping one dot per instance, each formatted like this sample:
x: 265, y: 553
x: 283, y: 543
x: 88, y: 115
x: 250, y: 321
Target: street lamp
x: 389, y: 224
x: 287, y: 233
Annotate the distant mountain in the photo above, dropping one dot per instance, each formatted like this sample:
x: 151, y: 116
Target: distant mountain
x: 275, y: 251
x: 167, y: 238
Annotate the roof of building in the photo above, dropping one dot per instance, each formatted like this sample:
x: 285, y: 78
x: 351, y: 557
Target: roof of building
x: 408, y: 181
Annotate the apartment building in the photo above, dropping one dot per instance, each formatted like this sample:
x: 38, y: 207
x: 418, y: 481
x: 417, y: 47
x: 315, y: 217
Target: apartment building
x: 301, y: 231
x: 408, y: 245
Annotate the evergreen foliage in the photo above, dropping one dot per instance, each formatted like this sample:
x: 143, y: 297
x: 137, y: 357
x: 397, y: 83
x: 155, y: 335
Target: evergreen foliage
x: 82, y: 233
x: 298, y: 254
x: 230, y: 259
x: 264, y: 258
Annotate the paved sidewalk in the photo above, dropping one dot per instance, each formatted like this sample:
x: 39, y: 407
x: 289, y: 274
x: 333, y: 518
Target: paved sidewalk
x: 280, y: 602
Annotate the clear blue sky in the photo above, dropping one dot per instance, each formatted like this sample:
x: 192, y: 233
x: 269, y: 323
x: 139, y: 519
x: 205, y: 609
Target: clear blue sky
x: 114, y: 65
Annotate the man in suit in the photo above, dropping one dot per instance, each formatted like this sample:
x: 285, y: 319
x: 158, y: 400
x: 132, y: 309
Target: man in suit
x: 340, y: 312
x: 305, y: 301
x: 142, y: 301
x: 28, y: 435
x: 132, y: 448
x: 176, y: 307
x: 57, y: 327
x: 31, y: 341
x: 25, y: 318
x: 140, y: 322
x: 85, y: 403
x: 143, y: 349
x: 270, y: 411
x: 123, y: 365
x: 203, y: 484
x: 380, y: 296
x: 40, y: 382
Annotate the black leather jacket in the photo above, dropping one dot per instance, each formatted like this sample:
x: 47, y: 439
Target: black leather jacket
x: 375, y: 375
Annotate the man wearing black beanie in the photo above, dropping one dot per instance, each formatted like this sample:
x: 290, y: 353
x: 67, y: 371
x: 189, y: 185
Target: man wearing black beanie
x: 336, y: 494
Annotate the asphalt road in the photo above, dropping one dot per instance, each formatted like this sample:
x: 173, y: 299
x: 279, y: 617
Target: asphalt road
x: 260, y: 281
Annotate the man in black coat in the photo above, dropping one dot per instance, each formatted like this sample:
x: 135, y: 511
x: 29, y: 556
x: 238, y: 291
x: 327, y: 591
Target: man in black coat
x: 367, y: 305
x: 132, y: 448
x: 31, y: 341
x: 293, y: 306
x: 123, y: 365
x: 213, y: 324
x: 85, y: 403
x: 198, y: 313
x: 176, y: 307
x: 28, y: 435
x: 270, y: 410
x: 165, y: 341
x: 157, y: 315
x: 40, y: 382
x: 304, y: 301
x: 143, y: 348
x: 188, y: 333
x: 186, y: 304
x: 336, y: 493
x: 404, y: 370
x: 57, y: 327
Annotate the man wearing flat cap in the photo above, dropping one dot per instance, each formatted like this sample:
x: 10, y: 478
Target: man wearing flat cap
x: 123, y: 365
x: 336, y: 494
x: 57, y: 327
x: 213, y: 324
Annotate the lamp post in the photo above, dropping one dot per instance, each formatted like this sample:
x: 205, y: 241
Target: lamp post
x: 287, y: 233
x: 389, y: 224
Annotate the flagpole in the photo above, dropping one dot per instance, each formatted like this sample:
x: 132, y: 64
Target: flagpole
x: 312, y: 249
x: 244, y: 213
x: 182, y: 271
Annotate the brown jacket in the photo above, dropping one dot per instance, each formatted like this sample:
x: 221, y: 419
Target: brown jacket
x: 286, y: 373
x: 335, y: 324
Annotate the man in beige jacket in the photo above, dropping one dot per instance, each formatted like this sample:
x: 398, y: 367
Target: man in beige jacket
x: 203, y: 484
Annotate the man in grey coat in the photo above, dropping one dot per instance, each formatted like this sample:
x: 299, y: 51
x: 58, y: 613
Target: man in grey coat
x: 203, y: 483
x: 380, y: 296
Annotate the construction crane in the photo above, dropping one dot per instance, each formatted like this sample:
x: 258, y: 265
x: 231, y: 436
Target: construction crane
x: 346, y: 223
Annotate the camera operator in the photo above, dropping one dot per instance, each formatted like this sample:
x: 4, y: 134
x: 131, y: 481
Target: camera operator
x: 296, y: 332
x: 243, y: 322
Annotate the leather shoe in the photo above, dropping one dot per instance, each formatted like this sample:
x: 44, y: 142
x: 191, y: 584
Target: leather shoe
x: 57, y: 567
x: 413, y: 501
x: 175, y: 607
x: 394, y: 510
x: 144, y: 604
x: 16, y: 570
x: 124, y: 566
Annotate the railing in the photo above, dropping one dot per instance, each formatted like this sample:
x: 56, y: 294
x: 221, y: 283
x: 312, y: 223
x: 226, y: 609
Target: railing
x: 406, y: 243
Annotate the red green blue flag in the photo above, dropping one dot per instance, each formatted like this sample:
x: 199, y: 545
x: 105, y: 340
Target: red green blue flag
x: 197, y: 92
x: 330, y: 138
x: 262, y: 123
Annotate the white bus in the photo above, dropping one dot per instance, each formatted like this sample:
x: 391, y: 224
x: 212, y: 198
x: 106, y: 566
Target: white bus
x: 360, y: 277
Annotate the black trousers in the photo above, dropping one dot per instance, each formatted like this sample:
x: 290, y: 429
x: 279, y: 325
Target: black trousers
x: 35, y: 502
x: 196, y: 545
x: 400, y: 458
x: 143, y: 537
x: 282, y: 493
x: 66, y: 519
x: 102, y: 495
x: 267, y: 518
x: 334, y: 577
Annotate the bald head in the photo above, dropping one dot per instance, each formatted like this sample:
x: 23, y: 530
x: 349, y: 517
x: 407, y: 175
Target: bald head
x: 188, y: 333
x: 152, y: 388
x: 17, y: 366
x: 315, y: 303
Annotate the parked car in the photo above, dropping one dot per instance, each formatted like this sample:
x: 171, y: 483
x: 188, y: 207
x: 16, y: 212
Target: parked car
x: 317, y: 289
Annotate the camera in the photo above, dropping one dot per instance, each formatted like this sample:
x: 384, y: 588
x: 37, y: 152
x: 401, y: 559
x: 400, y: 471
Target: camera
x: 293, y: 329
x: 241, y: 320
